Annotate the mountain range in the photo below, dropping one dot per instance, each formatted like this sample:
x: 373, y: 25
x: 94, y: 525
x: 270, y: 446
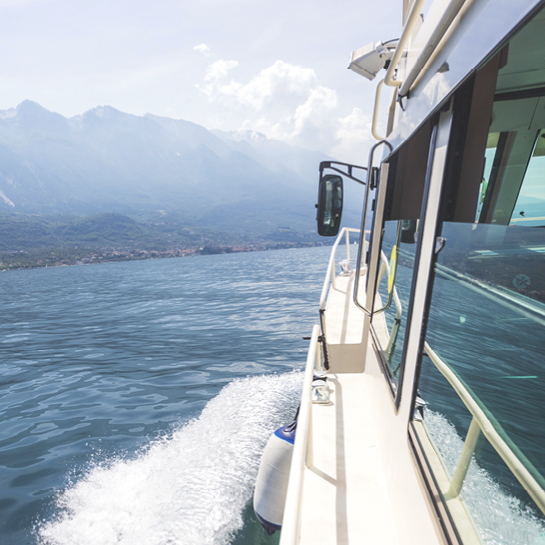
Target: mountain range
x: 109, y: 161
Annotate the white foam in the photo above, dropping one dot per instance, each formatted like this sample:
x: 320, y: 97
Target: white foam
x: 188, y: 489
x: 500, y: 517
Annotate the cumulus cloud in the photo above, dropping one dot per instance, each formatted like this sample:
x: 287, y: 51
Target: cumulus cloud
x: 284, y: 101
x: 204, y: 49
x: 279, y: 82
x: 287, y: 102
x: 215, y: 73
x: 218, y: 70
x: 353, y: 137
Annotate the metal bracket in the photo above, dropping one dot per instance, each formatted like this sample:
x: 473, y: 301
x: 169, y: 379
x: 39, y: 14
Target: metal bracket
x: 439, y: 244
x: 348, y: 174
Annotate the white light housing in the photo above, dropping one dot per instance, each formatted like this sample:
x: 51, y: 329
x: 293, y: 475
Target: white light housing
x: 368, y: 60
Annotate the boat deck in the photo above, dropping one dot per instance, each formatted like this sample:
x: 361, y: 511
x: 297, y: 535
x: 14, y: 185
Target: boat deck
x: 344, y: 321
x: 344, y: 490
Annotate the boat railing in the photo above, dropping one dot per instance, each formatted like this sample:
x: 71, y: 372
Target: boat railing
x: 330, y: 277
x: 302, y: 448
x: 330, y: 281
x: 483, y: 421
x: 330, y: 274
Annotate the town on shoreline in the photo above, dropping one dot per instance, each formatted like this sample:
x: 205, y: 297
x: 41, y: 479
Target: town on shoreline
x: 62, y: 257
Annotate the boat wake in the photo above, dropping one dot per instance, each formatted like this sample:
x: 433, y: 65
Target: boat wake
x: 499, y: 516
x: 188, y: 489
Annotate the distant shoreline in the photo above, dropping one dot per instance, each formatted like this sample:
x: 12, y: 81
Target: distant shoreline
x: 55, y: 257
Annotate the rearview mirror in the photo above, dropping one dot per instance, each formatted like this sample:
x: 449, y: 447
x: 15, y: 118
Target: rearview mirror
x: 330, y: 205
x: 408, y: 230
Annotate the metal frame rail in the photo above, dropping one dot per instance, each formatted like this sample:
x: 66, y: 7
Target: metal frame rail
x: 520, y: 466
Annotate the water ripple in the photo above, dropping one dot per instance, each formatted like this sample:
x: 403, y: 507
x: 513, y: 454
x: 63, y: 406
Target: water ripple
x: 100, y: 361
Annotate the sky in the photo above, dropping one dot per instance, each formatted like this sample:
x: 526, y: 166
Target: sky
x: 276, y: 67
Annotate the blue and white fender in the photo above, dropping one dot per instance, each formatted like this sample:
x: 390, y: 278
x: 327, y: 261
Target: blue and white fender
x: 272, y: 478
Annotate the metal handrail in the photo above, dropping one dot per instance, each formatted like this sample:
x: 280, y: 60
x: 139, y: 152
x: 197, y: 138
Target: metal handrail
x: 302, y: 449
x: 520, y: 466
x: 452, y: 10
x: 450, y: 13
x: 371, y: 171
x: 330, y: 274
x: 378, y: 92
x: 330, y: 280
x: 412, y: 20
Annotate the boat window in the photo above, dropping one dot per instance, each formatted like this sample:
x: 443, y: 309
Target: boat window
x: 394, y: 286
x: 512, y: 189
x: 480, y: 411
x: 396, y: 266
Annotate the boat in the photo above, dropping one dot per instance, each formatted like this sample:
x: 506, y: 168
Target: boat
x: 422, y: 411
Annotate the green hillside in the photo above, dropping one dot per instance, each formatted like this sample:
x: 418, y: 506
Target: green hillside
x: 39, y: 241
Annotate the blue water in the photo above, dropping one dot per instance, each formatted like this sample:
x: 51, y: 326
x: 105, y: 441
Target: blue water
x: 106, y: 370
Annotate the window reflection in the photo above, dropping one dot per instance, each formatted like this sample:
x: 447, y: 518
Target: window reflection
x: 395, y: 277
x: 529, y: 209
x: 486, y: 320
x: 487, y: 323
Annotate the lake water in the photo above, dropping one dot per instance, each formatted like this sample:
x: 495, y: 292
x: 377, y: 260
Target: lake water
x: 136, y: 397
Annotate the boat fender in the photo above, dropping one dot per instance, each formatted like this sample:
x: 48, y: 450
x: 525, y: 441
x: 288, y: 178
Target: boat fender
x: 272, y: 478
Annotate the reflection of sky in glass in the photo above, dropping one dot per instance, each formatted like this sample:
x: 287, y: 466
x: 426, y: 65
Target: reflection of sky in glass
x: 534, y: 181
x: 531, y: 199
x: 489, y: 159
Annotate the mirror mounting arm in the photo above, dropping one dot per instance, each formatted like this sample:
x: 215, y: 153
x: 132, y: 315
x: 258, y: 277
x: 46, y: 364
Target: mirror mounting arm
x: 348, y: 174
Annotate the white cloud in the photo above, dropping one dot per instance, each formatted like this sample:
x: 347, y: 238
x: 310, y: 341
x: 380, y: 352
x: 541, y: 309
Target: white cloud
x: 289, y: 103
x: 284, y: 101
x: 313, y: 119
x: 216, y: 72
x: 353, y: 137
x: 281, y: 81
x: 204, y: 49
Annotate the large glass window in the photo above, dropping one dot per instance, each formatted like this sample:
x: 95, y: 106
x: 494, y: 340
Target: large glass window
x: 396, y: 265
x: 482, y: 381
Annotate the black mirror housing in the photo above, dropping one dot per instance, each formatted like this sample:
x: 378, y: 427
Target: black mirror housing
x: 408, y: 230
x: 330, y: 205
